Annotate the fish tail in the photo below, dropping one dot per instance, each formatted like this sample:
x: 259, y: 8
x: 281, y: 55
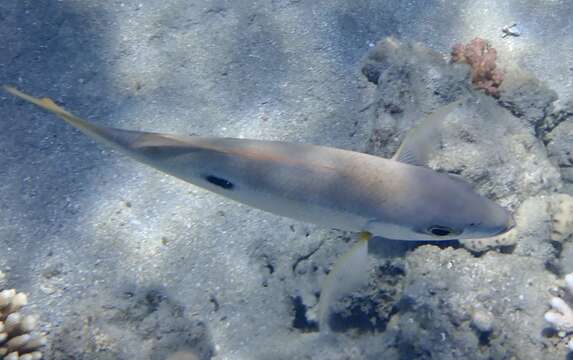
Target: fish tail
x: 47, y: 104
x: 117, y: 138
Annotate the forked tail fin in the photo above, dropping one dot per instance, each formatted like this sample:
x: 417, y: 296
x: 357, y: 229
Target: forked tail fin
x: 118, y: 138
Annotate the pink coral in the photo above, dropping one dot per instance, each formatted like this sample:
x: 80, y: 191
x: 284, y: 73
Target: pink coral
x: 481, y: 57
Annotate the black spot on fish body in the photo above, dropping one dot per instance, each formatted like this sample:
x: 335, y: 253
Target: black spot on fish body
x: 224, y: 183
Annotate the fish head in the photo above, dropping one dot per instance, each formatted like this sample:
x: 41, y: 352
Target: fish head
x: 444, y: 207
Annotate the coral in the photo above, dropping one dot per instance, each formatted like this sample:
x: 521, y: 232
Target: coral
x: 18, y: 340
x: 561, y: 315
x: 481, y: 57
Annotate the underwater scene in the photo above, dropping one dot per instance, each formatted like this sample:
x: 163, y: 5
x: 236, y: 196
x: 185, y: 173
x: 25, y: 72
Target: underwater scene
x: 286, y: 179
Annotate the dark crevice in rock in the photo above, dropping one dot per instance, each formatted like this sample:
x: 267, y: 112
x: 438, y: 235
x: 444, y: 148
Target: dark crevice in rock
x: 300, y: 321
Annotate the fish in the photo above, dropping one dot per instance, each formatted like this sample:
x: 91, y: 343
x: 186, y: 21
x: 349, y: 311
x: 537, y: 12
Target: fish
x: 400, y: 198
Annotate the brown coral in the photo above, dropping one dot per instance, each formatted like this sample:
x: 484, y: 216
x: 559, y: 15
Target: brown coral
x: 481, y: 57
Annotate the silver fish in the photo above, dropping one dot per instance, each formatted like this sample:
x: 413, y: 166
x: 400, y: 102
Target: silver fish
x: 393, y: 198
x: 399, y: 198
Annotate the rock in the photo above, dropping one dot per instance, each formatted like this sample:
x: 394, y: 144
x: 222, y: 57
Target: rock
x: 448, y: 298
x: 140, y: 323
x: 371, y: 309
x: 496, y: 152
x: 560, y: 149
x: 411, y: 75
x: 527, y: 98
x: 482, y: 141
x: 563, y: 112
x: 444, y: 287
x: 483, y: 321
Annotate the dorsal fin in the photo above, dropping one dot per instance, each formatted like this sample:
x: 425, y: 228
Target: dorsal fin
x: 425, y: 138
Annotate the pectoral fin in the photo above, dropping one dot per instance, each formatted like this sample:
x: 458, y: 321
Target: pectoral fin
x: 349, y: 274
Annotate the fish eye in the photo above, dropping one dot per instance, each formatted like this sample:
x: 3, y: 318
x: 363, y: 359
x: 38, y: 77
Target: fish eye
x: 438, y: 230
